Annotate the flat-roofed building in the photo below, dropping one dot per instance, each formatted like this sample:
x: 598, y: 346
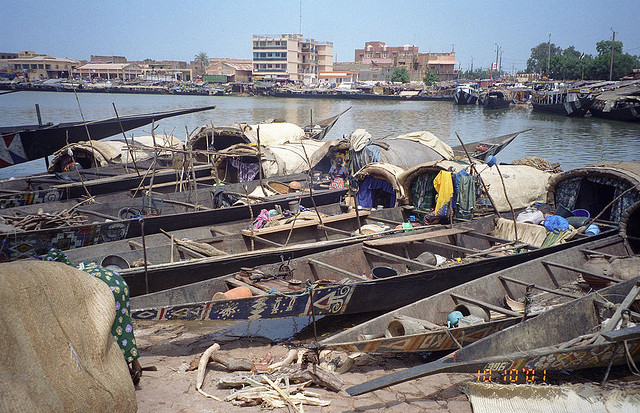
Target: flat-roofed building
x: 122, y: 71
x: 236, y: 70
x: 41, y: 67
x: 165, y: 70
x: 442, y: 64
x: 107, y: 59
x: 290, y: 57
x: 336, y: 78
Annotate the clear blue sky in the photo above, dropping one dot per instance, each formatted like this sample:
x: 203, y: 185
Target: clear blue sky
x: 178, y: 30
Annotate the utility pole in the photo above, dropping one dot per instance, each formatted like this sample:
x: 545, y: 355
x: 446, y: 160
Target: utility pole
x: 549, y: 56
x: 611, y: 65
x: 500, y: 65
x: 471, y: 64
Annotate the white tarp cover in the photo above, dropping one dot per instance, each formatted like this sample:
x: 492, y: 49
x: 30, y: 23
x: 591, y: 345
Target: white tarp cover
x: 290, y: 158
x: 58, y: 353
x: 525, y: 185
x: 427, y: 139
x: 116, y: 151
x: 276, y: 133
x: 568, y: 398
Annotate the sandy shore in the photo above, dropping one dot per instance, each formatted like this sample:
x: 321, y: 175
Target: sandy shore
x: 173, y: 347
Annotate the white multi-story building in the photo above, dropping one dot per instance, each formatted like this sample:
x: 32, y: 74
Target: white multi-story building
x: 290, y: 57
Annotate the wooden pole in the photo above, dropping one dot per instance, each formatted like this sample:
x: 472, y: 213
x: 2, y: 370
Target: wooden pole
x: 133, y: 158
x: 513, y: 214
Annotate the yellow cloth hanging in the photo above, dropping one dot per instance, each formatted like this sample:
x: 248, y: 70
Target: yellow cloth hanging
x: 444, y: 186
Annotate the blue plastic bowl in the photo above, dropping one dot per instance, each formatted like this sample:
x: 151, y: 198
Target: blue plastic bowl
x: 581, y: 213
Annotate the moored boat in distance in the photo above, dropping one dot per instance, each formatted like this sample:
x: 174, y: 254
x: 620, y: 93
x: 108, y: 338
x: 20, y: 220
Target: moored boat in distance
x: 466, y: 94
x: 622, y: 103
x: 495, y: 99
x: 560, y: 100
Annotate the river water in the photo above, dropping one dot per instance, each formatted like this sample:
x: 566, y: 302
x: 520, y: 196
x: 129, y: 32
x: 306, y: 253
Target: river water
x: 568, y: 141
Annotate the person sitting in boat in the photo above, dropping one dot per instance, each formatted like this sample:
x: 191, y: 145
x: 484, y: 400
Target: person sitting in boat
x: 338, y: 173
x: 122, y: 328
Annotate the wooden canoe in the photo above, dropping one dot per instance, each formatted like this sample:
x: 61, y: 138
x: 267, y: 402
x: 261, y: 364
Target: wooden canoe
x: 27, y: 143
x: 336, y: 281
x: 577, y: 335
x: 556, y: 279
x: 20, y: 245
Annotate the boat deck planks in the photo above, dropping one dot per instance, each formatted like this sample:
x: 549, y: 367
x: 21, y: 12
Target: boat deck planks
x: 417, y: 237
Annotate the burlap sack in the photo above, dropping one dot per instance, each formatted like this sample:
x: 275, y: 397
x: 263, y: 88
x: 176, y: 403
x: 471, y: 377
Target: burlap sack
x: 57, y: 352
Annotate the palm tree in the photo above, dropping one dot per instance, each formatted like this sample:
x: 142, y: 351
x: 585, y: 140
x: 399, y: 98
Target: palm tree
x: 202, y: 58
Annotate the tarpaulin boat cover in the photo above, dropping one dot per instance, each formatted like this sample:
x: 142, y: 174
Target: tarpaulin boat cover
x: 103, y: 152
x: 523, y: 184
x: 58, y: 353
x: 379, y: 177
x: 404, y: 151
x: 593, y: 187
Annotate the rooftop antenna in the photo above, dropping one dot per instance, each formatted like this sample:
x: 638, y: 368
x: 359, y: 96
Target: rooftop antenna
x: 300, y: 9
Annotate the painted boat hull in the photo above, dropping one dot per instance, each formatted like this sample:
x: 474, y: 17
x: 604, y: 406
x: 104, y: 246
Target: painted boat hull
x: 26, y: 143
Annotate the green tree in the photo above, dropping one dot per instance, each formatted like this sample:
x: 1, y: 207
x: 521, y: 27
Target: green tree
x: 537, y: 63
x: 202, y: 58
x: 599, y: 66
x: 430, y: 78
x: 400, y: 74
x: 479, y: 73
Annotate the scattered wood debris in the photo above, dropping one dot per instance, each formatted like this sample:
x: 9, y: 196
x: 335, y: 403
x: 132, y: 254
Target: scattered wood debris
x: 276, y: 393
x: 42, y: 220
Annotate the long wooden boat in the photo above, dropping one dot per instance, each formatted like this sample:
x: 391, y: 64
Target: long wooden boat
x: 44, y: 188
x: 488, y: 304
x: 26, y: 143
x: 581, y: 334
x: 565, y: 102
x: 486, y: 148
x: 495, y: 99
x: 20, y: 245
x: 619, y: 104
x: 466, y: 94
x: 340, y: 280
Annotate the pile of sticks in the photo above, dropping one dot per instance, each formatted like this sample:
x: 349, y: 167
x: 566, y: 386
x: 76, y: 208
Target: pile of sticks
x: 44, y: 220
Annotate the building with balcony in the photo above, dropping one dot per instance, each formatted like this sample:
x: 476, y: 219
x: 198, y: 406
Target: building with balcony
x: 382, y: 60
x: 290, y: 57
x: 41, y: 67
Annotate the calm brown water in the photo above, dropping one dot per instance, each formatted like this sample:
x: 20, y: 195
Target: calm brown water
x: 570, y: 142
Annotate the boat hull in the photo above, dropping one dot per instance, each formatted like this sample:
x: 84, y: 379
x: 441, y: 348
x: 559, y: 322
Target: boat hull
x: 576, y: 109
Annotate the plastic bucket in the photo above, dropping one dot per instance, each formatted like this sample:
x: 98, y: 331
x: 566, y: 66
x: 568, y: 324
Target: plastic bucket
x: 114, y: 263
x: 581, y: 213
x: 383, y: 272
x: 294, y: 207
